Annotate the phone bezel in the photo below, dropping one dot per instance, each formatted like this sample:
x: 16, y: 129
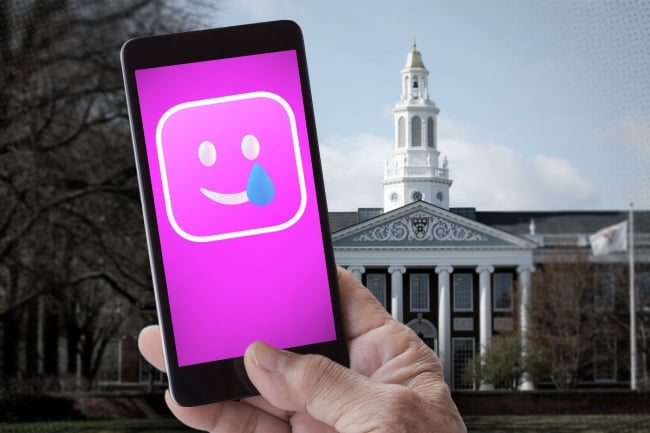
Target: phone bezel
x: 225, y: 379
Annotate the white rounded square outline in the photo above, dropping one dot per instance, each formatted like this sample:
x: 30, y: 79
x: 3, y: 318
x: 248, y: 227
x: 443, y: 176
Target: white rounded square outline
x: 241, y: 233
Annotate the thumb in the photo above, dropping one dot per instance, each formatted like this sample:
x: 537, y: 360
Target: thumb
x: 329, y: 392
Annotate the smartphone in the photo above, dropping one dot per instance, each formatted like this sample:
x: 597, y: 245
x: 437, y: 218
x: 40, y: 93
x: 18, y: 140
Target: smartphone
x: 233, y: 200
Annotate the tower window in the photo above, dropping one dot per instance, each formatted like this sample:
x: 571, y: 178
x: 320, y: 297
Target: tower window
x: 416, y: 90
x: 430, y: 132
x: 401, y: 132
x: 417, y: 195
x: 416, y: 131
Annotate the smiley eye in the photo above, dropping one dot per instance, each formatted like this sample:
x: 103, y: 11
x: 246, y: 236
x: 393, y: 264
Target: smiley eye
x: 207, y: 153
x: 250, y: 147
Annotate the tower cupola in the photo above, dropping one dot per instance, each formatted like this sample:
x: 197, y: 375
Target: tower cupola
x: 414, y: 59
x: 413, y: 172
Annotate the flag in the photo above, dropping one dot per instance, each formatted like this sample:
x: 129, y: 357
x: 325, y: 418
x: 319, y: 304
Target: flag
x: 609, y: 239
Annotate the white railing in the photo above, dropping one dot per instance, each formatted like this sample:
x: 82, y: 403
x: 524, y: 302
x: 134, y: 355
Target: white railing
x: 396, y: 172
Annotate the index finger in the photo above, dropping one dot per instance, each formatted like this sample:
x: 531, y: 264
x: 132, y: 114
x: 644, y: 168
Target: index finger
x: 362, y: 312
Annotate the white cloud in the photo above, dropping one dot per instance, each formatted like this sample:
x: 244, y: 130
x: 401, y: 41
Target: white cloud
x: 353, y: 170
x: 492, y: 176
x: 486, y: 176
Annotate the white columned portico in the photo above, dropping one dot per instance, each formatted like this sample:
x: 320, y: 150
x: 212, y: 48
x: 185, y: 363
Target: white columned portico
x: 444, y: 319
x: 524, y: 277
x: 357, y: 271
x: 485, y: 312
x: 397, y: 292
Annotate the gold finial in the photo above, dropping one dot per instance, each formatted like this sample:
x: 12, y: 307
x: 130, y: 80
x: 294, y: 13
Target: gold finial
x: 414, y: 44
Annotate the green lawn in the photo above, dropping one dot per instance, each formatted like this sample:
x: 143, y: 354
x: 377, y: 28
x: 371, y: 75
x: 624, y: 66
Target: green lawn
x: 559, y: 423
x: 108, y: 426
x: 492, y: 424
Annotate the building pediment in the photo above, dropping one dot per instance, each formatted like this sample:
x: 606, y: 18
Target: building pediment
x: 423, y: 225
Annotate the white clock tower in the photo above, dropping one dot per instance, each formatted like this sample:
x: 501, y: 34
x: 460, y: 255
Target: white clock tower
x: 414, y: 173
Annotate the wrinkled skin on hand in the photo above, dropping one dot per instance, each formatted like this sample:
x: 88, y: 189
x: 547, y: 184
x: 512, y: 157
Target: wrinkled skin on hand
x: 394, y: 384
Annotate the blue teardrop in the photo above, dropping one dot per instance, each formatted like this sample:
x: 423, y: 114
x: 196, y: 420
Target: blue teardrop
x: 260, y: 189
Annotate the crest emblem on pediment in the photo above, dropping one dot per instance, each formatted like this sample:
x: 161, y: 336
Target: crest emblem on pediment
x: 421, y: 226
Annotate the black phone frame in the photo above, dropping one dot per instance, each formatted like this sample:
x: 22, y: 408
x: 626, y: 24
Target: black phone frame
x: 225, y: 379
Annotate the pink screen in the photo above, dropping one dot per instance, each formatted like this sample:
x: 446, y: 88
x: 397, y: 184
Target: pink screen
x: 236, y: 205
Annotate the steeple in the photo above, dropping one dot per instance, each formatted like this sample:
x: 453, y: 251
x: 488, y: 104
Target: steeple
x: 413, y: 172
x: 414, y: 77
x: 414, y: 58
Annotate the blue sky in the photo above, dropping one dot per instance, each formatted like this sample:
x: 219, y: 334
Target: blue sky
x: 545, y: 105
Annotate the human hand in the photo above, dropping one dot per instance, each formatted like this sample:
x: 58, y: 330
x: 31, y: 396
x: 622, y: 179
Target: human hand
x: 394, y: 383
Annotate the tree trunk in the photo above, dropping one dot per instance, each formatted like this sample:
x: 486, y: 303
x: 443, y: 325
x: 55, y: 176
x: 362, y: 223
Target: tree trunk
x: 9, y: 346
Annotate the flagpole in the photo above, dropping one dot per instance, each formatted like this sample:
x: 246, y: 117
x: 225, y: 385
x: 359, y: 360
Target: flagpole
x: 633, y: 357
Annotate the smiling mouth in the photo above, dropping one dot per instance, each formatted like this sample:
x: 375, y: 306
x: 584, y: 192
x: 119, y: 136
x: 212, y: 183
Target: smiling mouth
x: 226, y: 198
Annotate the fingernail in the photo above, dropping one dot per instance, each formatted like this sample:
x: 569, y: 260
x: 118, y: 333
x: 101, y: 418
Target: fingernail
x: 268, y: 357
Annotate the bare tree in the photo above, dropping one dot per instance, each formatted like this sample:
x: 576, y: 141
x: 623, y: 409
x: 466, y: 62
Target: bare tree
x: 70, y: 222
x: 642, y: 287
x: 573, y: 310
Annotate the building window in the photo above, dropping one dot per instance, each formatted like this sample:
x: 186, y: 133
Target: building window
x: 366, y: 213
x: 502, y: 291
x: 462, y: 353
x: 643, y: 290
x: 605, y: 359
x: 430, y: 132
x: 401, y: 132
x: 605, y: 291
x: 463, y: 300
x: 109, y: 369
x: 376, y: 283
x: 416, y: 131
x: 419, y: 289
x: 426, y: 331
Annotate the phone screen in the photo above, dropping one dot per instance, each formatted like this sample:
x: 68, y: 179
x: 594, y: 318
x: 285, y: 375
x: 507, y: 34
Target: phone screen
x: 235, y: 204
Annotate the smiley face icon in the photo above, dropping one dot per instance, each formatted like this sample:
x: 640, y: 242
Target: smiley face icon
x: 259, y: 186
x: 231, y: 167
